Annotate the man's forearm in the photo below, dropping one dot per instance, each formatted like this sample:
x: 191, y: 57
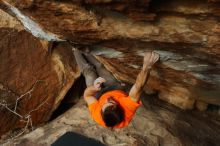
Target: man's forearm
x: 142, y: 79
x: 90, y: 91
x: 137, y: 88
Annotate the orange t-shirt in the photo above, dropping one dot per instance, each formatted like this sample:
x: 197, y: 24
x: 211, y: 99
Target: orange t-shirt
x: 123, y: 99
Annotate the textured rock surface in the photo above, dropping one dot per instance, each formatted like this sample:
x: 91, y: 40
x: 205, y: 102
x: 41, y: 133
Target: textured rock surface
x: 8, y: 21
x: 156, y: 124
x: 33, y: 81
x: 185, y: 34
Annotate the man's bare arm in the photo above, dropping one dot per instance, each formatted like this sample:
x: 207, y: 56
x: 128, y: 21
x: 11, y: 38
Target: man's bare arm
x: 137, y: 88
x: 89, y: 93
x: 149, y: 59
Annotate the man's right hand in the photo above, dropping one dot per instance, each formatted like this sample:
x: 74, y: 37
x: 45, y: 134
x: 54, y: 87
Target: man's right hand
x: 98, y: 82
x: 149, y: 59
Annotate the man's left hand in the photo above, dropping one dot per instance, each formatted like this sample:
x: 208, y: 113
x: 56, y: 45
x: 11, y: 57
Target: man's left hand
x: 98, y: 82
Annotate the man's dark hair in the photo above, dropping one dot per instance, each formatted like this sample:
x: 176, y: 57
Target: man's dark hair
x: 113, y: 115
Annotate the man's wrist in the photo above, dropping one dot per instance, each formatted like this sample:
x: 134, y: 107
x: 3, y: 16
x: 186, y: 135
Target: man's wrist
x: 96, y: 88
x: 92, y: 88
x: 146, y: 68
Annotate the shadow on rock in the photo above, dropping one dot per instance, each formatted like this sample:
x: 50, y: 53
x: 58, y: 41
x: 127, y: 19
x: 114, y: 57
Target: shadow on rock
x: 71, y: 138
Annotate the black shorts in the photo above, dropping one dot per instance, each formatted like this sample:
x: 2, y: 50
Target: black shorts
x: 125, y: 88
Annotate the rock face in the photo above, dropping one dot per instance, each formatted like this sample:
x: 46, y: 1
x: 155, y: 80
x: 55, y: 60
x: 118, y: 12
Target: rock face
x: 154, y: 124
x: 33, y: 79
x: 185, y: 34
x: 36, y: 72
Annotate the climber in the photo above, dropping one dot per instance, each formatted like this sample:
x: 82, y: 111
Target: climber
x: 110, y: 105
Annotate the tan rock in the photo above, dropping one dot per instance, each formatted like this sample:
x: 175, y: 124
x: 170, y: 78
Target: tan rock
x: 7, y: 20
x: 201, y: 105
x: 154, y: 123
x: 179, y: 97
x: 184, y: 33
x: 34, y: 80
x: 186, y: 37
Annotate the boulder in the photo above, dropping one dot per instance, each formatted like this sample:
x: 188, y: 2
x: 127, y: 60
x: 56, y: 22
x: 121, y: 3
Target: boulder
x: 154, y: 124
x: 184, y: 33
x: 37, y: 68
x: 34, y: 79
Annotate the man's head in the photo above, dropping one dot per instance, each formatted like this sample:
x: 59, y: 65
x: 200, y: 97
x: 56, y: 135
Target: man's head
x: 112, y: 113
